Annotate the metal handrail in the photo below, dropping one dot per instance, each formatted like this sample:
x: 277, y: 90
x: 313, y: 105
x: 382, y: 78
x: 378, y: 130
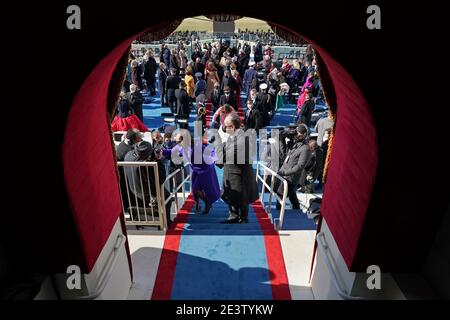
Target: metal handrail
x: 335, y: 275
x: 107, y: 270
x: 282, y: 200
x: 174, y: 193
x: 160, y: 195
x: 158, y: 191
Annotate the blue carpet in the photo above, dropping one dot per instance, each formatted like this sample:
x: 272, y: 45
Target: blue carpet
x: 230, y: 260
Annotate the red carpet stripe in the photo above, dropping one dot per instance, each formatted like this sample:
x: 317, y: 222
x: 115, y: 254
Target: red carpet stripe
x: 275, y: 260
x: 168, y: 261
x: 240, y: 109
x: 208, y: 114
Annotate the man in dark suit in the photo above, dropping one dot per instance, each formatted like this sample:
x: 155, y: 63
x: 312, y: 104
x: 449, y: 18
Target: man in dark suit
x: 263, y: 104
x: 253, y: 119
x: 132, y: 137
x: 198, y: 67
x: 136, y: 99
x: 215, y: 97
x: 183, y: 101
x: 150, y: 68
x: 183, y: 108
x: 227, y: 98
x: 162, y: 77
x: 172, y: 83
x: 228, y: 81
x: 239, y: 188
x: 249, y: 76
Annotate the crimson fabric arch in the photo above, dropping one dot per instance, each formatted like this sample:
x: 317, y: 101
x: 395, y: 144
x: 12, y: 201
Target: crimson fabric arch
x: 90, y: 169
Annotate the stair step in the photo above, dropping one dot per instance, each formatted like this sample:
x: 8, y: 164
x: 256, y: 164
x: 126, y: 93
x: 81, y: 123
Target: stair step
x: 224, y: 232
x: 233, y: 226
x: 194, y: 220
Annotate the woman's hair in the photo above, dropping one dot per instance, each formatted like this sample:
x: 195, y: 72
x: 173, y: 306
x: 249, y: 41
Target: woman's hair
x: 134, y: 64
x: 226, y: 108
x: 168, y: 135
x: 155, y: 135
x: 189, y: 70
x: 211, y: 66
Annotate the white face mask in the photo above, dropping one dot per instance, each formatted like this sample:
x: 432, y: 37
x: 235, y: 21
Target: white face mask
x: 230, y: 131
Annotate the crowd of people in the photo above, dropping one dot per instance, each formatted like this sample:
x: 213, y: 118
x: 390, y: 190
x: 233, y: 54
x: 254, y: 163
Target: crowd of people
x: 243, y: 87
x: 268, y: 37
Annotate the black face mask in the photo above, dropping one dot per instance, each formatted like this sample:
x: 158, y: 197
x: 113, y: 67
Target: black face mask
x: 299, y: 139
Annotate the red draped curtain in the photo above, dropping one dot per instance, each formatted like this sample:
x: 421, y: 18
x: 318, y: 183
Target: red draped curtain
x: 96, y: 201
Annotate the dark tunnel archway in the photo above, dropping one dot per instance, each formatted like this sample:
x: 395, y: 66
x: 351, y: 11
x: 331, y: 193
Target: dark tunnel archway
x: 90, y: 169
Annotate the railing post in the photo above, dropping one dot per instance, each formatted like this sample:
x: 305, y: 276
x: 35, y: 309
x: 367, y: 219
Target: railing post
x: 283, y: 204
x: 183, y: 188
x: 269, y: 205
x: 263, y: 189
x: 162, y: 208
x: 175, y: 193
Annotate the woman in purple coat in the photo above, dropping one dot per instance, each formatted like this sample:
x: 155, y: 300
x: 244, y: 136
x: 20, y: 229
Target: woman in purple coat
x: 205, y: 184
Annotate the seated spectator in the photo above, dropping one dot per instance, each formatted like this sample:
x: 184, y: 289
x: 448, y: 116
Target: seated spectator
x: 312, y: 169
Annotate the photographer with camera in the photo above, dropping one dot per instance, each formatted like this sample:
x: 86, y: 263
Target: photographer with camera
x: 144, y: 152
x: 296, y: 149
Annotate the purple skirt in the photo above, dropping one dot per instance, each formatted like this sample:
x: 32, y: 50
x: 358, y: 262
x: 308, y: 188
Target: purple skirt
x: 204, y: 178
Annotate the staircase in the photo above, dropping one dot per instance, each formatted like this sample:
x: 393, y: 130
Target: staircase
x: 225, y: 261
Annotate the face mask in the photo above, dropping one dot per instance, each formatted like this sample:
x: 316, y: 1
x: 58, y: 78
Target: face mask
x: 299, y: 139
x: 230, y: 131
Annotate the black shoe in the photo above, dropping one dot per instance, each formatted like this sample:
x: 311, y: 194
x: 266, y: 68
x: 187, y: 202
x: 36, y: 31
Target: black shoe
x: 230, y: 220
x: 243, y: 220
x: 197, y: 207
x: 207, y: 208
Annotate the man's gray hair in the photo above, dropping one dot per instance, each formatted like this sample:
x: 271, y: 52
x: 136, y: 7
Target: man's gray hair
x: 235, y: 119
